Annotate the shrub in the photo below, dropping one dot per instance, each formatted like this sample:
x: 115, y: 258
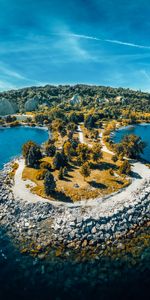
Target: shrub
x: 85, y: 170
x: 114, y: 158
x: 125, y: 168
x: 49, y: 183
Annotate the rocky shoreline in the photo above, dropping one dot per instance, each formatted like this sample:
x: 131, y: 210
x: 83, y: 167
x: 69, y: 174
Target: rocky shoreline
x: 38, y: 228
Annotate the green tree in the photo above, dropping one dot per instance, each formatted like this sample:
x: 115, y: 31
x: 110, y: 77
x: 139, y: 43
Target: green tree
x: 50, y: 150
x: 97, y: 152
x: 85, y: 170
x: 65, y: 171
x: 25, y: 149
x: 133, y: 146
x: 125, y: 168
x: 60, y: 160
x: 67, y: 149
x: 49, y: 183
x: 34, y: 156
x: 83, y: 153
x: 89, y: 122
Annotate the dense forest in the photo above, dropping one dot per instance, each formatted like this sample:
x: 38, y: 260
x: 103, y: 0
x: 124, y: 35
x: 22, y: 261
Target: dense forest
x: 98, y: 97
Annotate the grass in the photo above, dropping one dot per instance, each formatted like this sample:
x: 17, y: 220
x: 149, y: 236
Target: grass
x: 103, y: 180
x: 13, y: 171
x: 100, y: 182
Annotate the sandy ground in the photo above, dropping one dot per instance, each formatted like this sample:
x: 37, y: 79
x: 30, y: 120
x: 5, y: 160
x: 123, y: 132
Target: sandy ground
x: 141, y: 173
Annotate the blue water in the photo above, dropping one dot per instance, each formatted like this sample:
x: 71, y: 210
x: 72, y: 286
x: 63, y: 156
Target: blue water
x: 12, y: 139
x: 142, y: 130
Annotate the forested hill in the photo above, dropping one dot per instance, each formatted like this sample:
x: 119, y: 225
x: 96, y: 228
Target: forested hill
x: 28, y: 99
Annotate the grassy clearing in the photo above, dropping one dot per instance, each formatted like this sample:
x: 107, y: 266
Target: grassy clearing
x: 74, y: 188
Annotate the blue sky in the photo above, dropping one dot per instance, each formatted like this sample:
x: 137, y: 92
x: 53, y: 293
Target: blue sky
x: 103, y: 42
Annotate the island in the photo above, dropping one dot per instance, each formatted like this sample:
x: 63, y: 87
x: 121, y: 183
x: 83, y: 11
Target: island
x: 78, y: 194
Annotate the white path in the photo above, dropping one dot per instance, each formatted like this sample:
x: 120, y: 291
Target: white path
x: 20, y: 189
x: 81, y: 137
x: 99, y: 206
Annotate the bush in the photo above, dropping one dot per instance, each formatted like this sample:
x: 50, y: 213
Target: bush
x: 114, y: 158
x: 125, y: 168
x: 49, y: 183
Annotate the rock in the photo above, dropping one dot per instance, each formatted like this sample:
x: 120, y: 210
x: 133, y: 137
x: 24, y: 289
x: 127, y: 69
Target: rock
x: 93, y: 230
x: 84, y: 243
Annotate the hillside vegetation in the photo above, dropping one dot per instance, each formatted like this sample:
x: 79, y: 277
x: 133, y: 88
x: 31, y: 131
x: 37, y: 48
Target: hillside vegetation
x: 110, y: 100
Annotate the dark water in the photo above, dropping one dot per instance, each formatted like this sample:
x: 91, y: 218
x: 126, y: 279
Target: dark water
x: 12, y: 139
x: 141, y: 130
x: 24, y: 277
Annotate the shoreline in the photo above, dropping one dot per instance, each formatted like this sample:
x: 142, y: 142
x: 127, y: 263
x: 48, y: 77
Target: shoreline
x: 86, y: 226
x: 76, y: 228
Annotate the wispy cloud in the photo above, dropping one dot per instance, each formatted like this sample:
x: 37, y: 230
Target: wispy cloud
x: 5, y: 85
x: 11, y: 73
x: 147, y: 76
x: 81, y: 36
x: 70, y: 47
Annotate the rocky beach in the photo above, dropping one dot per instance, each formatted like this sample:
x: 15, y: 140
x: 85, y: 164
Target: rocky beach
x: 38, y: 227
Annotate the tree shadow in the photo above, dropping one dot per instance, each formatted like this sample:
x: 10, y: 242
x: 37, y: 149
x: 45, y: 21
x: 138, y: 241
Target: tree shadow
x: 97, y: 185
x: 72, y: 167
x: 135, y: 175
x: 60, y: 196
x: 118, y: 181
x: 103, y: 166
x: 66, y: 178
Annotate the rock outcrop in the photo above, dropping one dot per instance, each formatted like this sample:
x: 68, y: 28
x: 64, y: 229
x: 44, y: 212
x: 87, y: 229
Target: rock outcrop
x: 6, y: 107
x: 31, y: 104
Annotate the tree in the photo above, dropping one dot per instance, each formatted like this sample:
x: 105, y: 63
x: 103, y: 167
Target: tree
x: 63, y: 132
x: 97, y: 152
x: 34, y: 156
x: 60, y: 160
x: 67, y: 149
x: 50, y: 150
x: 125, y: 168
x: 89, y: 122
x: 65, y: 171
x: 85, y: 170
x: 61, y: 173
x: 133, y: 146
x: 83, y: 153
x: 114, y: 158
x: 49, y: 183
x: 26, y: 148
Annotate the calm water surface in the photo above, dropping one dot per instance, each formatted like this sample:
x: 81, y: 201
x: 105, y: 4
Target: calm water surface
x: 142, y: 130
x: 12, y: 139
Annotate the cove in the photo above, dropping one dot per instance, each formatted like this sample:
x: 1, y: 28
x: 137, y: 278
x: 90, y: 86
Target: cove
x: 142, y: 130
x: 12, y: 139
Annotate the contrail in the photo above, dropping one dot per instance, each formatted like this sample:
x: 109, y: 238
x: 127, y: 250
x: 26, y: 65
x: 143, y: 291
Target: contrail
x: 106, y: 40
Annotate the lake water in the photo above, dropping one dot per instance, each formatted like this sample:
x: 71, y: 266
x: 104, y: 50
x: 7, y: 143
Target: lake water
x: 142, y: 130
x: 12, y: 139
